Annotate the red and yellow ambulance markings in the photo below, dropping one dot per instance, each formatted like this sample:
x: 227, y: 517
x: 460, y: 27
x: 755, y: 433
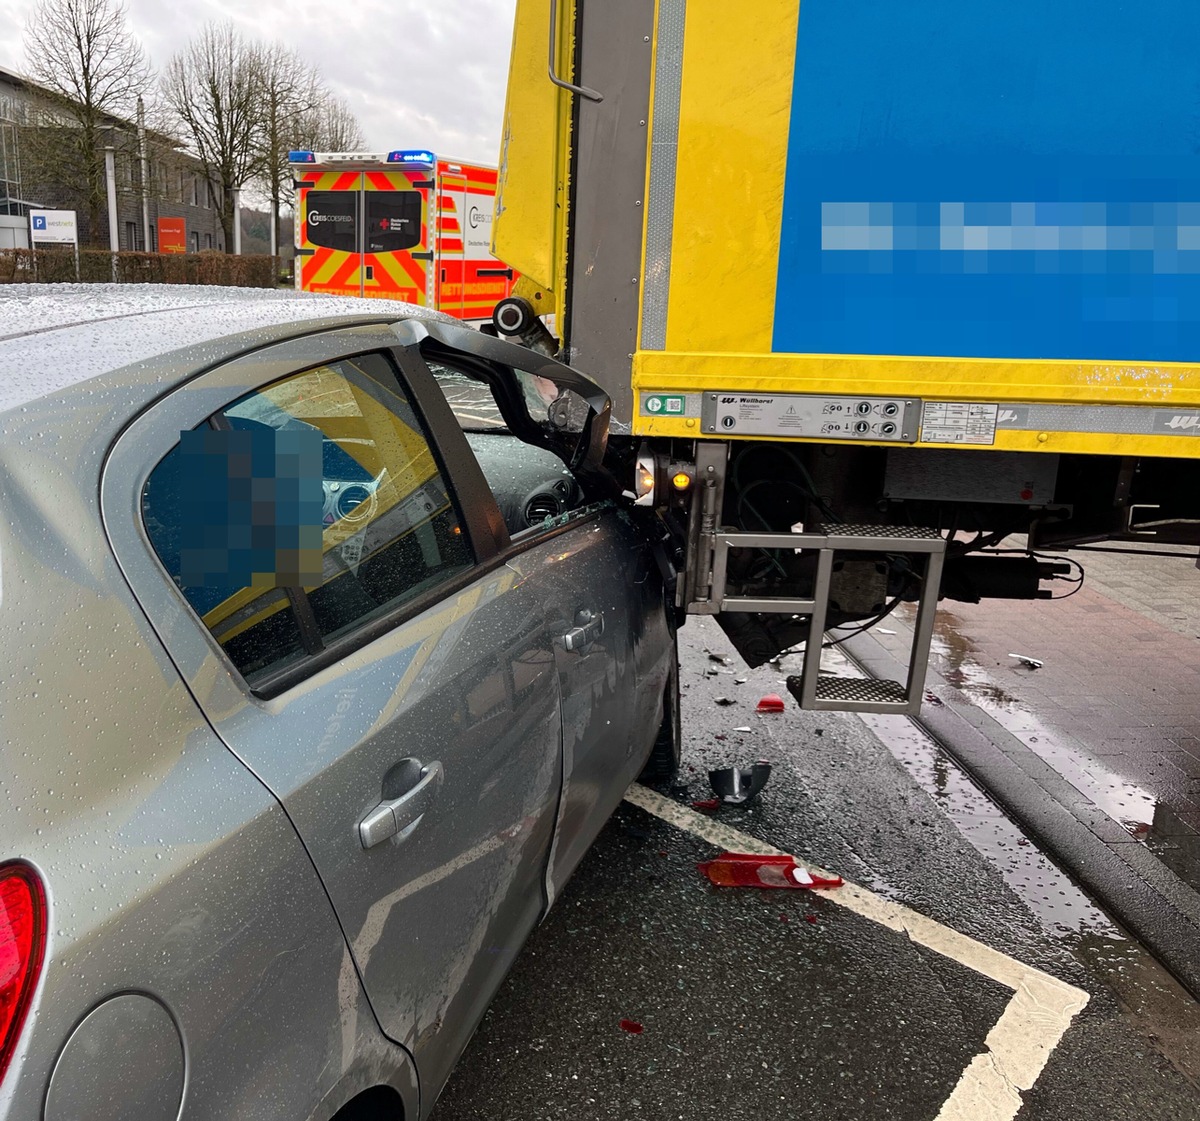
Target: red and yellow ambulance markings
x: 461, y: 291
x: 481, y: 179
x: 448, y: 223
x: 323, y: 269
x: 395, y: 275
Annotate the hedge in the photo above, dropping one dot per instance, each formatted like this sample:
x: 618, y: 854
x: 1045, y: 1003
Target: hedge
x: 98, y: 266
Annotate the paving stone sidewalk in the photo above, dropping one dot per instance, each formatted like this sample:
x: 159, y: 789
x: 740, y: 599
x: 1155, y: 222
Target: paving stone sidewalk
x: 1164, y: 589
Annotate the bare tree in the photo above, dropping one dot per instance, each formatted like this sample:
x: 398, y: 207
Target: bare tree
x: 329, y: 126
x: 291, y: 93
x: 336, y: 128
x: 214, y: 91
x: 92, y: 70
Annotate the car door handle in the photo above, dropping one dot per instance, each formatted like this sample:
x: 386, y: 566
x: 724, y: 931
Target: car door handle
x: 589, y: 626
x: 398, y: 817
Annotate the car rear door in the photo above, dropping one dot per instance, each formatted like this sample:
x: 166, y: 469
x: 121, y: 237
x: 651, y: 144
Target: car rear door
x: 402, y: 702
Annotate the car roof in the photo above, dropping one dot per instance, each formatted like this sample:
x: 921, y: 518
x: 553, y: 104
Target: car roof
x: 56, y: 336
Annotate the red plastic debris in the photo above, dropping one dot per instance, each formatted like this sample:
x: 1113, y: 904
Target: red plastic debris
x: 810, y: 918
x: 632, y: 1026
x: 772, y: 702
x: 732, y: 869
x: 707, y: 805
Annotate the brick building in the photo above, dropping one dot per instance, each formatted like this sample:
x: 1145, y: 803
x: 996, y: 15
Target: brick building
x: 175, y: 186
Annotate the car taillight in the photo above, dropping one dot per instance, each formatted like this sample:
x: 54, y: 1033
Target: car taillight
x: 22, y: 946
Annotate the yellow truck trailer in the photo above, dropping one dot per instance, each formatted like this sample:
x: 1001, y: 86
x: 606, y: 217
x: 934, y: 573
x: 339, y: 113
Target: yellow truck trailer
x: 877, y: 285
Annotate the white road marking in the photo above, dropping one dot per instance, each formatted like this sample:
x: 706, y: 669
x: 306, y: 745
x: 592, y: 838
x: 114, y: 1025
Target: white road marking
x: 1020, y: 1043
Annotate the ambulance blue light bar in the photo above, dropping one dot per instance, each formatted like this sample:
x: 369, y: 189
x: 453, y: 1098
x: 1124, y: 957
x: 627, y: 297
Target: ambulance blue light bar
x: 302, y: 157
x: 411, y: 155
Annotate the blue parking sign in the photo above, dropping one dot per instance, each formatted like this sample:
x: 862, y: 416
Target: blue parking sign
x: 39, y: 221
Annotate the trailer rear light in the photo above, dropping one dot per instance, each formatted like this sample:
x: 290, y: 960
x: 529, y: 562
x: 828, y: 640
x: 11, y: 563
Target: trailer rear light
x: 22, y: 947
x: 658, y: 480
x: 643, y: 477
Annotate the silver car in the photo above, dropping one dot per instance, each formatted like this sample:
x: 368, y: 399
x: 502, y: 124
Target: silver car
x: 329, y: 645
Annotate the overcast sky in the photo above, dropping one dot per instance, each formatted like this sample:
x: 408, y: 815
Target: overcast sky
x: 416, y: 73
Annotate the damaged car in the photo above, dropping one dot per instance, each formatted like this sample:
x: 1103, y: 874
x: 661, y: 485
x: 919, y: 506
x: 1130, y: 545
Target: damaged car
x: 330, y: 646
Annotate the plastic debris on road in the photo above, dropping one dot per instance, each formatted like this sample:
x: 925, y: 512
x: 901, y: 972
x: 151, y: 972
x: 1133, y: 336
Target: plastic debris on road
x: 632, y: 1026
x: 735, y: 785
x: 1026, y: 660
x: 733, y: 869
x: 772, y: 702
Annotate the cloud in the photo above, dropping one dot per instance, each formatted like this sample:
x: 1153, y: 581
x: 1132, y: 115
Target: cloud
x: 416, y: 73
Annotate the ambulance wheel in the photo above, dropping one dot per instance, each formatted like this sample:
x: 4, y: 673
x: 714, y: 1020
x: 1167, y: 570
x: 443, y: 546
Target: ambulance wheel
x: 668, y: 744
x: 513, y: 316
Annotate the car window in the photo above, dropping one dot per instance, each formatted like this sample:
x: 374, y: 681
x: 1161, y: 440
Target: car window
x: 532, y: 485
x: 303, y: 511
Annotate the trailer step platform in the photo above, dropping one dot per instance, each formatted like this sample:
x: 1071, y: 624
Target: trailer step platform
x: 926, y: 548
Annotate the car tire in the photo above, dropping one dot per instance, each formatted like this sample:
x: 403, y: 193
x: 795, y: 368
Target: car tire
x: 668, y: 744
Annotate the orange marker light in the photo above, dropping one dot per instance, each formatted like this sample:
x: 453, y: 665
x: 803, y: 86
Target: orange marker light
x: 681, y: 480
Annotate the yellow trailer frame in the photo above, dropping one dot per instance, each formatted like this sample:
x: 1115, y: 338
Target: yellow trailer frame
x: 706, y: 309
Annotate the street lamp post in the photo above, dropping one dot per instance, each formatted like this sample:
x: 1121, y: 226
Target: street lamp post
x: 141, y: 120
x: 110, y: 175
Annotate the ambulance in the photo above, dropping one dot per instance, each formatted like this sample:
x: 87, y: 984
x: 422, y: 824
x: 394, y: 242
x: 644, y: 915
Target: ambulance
x: 404, y: 225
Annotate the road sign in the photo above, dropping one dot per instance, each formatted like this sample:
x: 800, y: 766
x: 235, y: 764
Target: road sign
x: 52, y: 227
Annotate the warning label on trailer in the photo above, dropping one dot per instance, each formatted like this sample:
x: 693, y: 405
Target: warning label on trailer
x: 809, y: 416
x: 958, y: 422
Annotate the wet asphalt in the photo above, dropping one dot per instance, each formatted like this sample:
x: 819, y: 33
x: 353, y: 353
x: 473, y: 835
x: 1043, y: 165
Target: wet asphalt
x: 771, y: 1004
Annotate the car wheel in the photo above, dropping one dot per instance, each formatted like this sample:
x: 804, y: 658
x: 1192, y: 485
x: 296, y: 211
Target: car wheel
x: 668, y: 744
